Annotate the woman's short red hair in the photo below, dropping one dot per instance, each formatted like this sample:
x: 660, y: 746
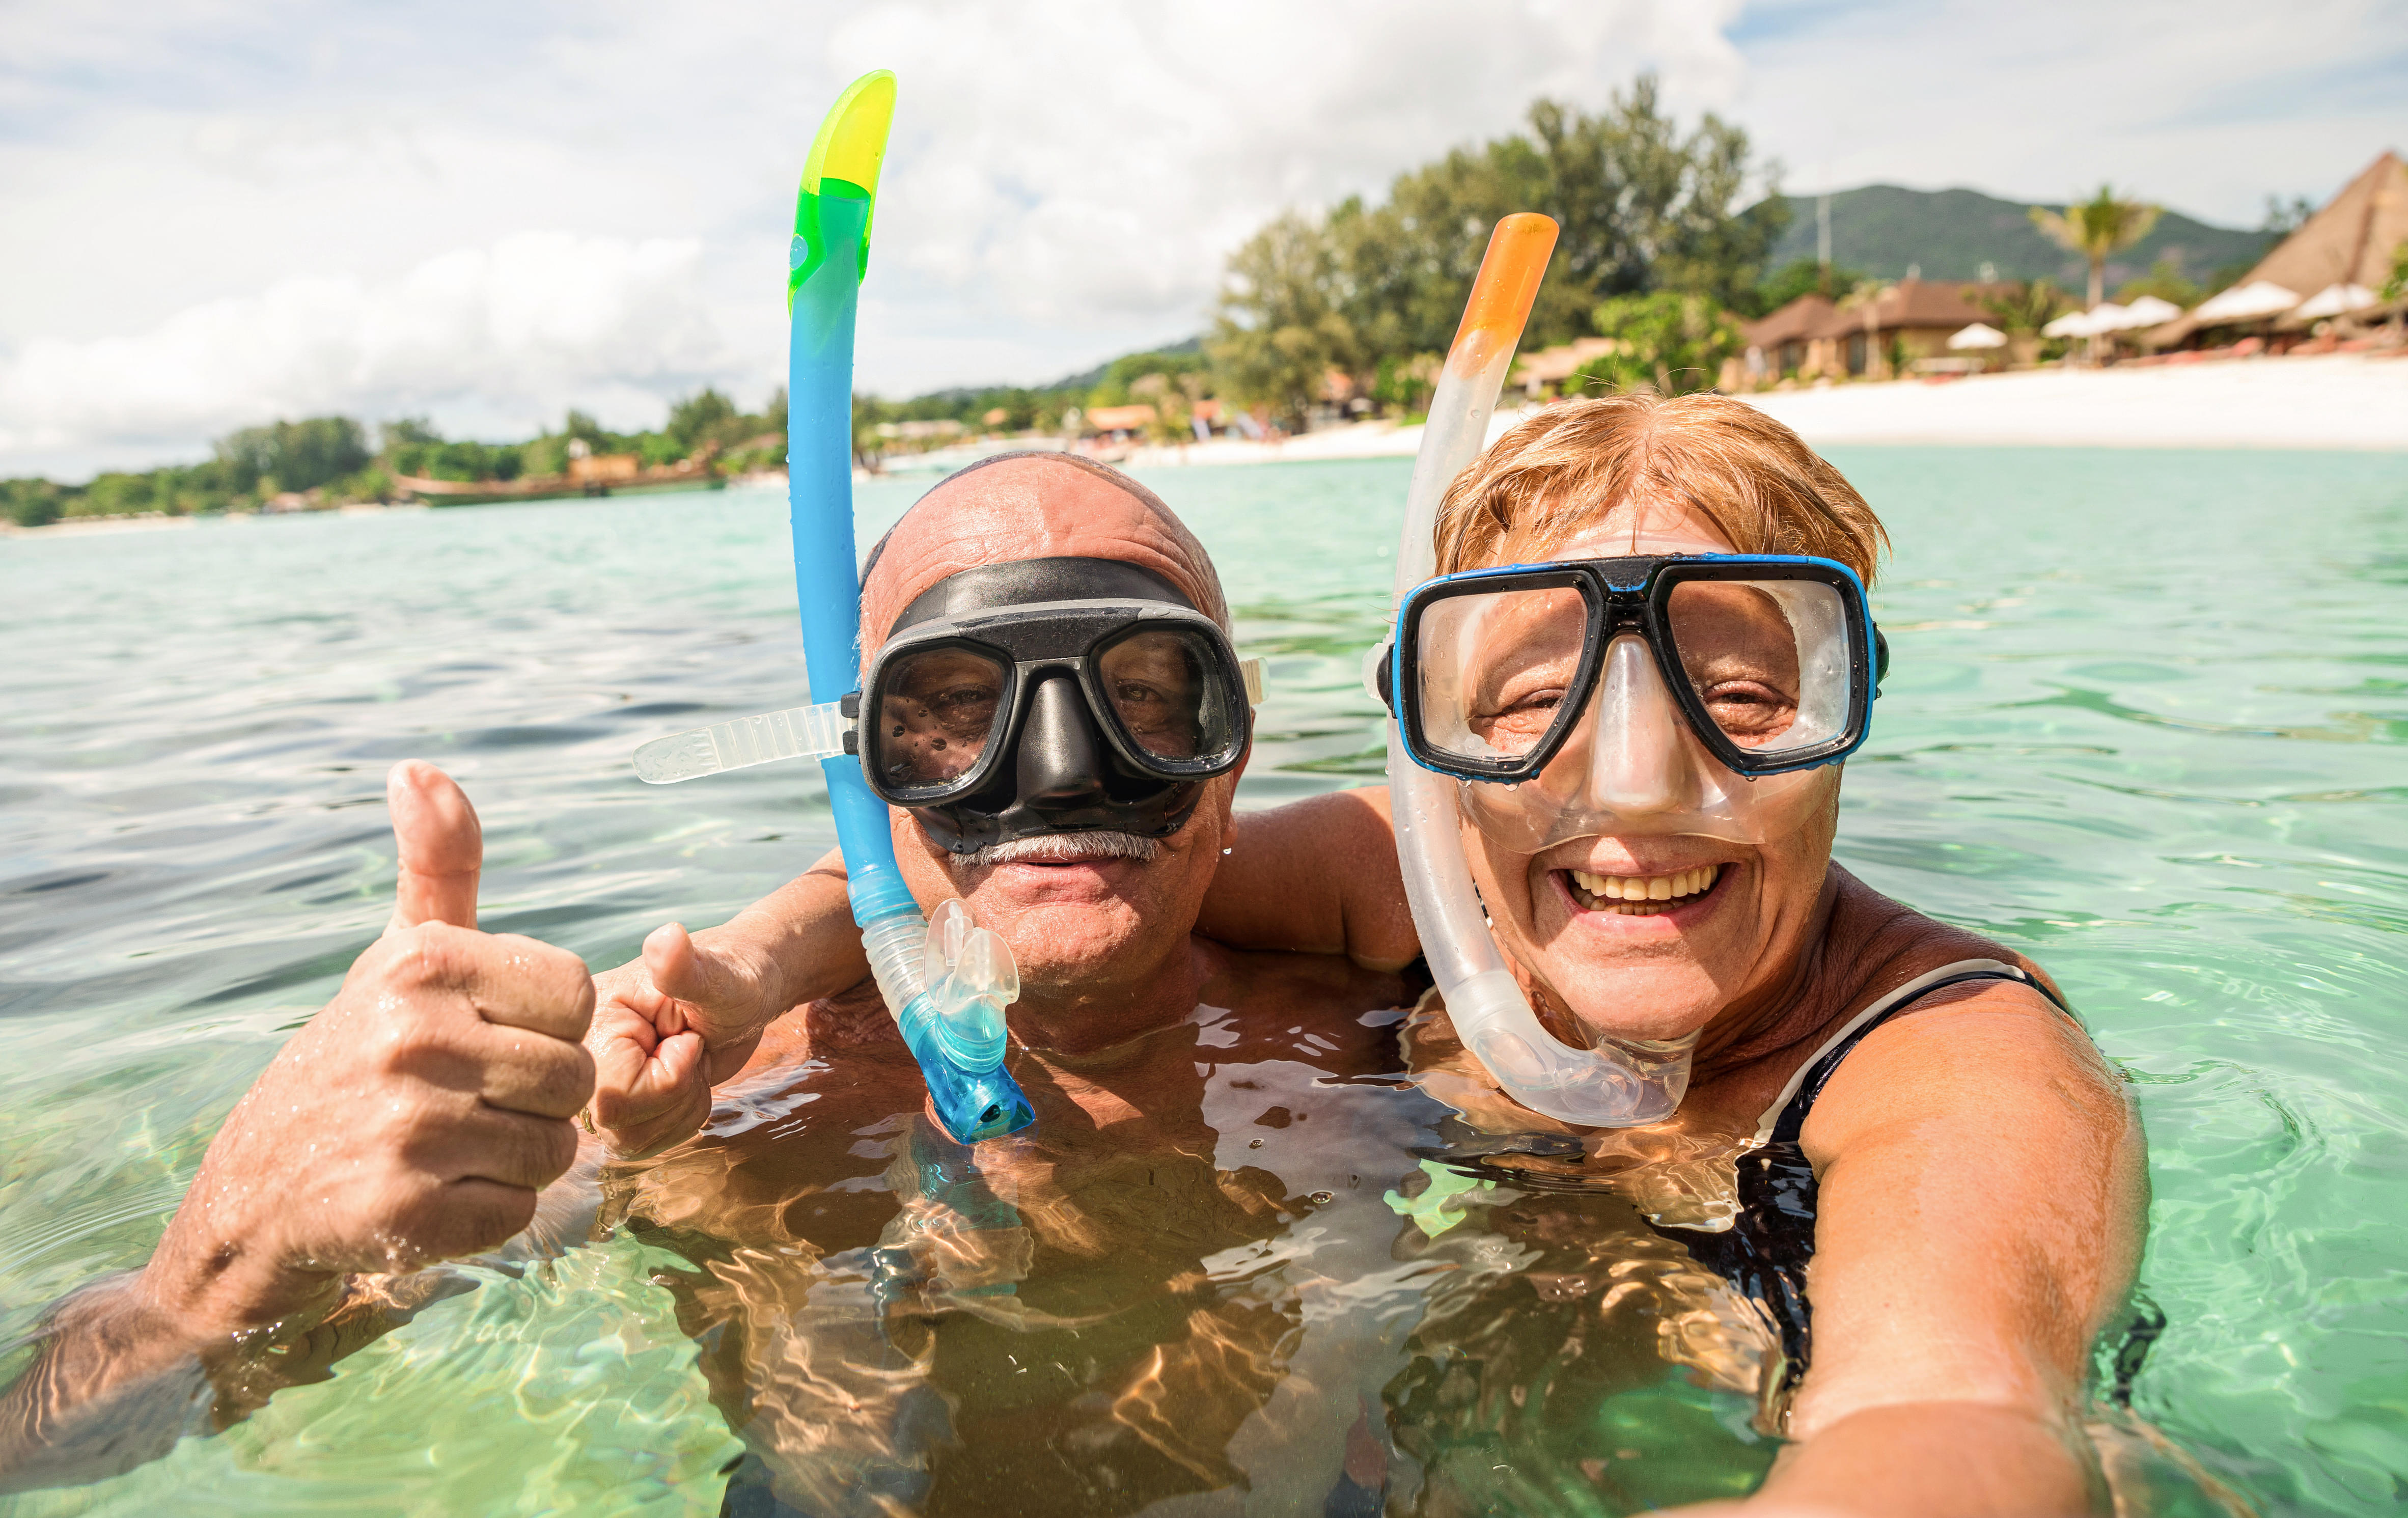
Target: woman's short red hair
x: 1569, y: 467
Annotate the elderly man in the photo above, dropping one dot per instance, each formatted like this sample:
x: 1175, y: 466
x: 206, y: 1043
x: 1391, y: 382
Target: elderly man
x: 1136, y: 1298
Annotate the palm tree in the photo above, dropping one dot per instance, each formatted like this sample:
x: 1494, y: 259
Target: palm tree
x: 2097, y: 228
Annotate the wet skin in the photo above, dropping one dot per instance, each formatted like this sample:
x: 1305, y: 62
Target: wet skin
x: 1981, y: 1179
x: 1041, y: 1314
x: 415, y: 1118
x: 1111, y: 975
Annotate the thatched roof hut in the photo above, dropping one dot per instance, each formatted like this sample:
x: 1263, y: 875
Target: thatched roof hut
x: 2350, y: 241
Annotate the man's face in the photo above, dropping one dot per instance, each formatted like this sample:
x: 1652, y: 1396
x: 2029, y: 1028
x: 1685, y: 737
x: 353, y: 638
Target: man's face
x: 1077, y: 915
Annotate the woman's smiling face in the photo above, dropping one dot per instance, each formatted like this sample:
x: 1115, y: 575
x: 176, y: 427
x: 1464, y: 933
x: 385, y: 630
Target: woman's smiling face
x: 1692, y: 886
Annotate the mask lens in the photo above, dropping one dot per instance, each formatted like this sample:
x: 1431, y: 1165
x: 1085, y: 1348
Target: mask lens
x: 937, y: 709
x: 1162, y: 688
x: 1766, y: 658
x: 1495, y: 669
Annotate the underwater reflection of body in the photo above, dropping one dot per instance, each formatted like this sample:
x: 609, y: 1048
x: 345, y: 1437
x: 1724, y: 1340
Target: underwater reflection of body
x: 1188, y: 1287
x: 1176, y: 1283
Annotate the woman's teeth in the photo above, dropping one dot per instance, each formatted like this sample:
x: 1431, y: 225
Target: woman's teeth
x: 1640, y: 896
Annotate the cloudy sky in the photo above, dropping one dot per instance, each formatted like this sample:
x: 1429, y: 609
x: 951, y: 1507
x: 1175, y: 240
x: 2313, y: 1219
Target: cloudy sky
x: 215, y: 213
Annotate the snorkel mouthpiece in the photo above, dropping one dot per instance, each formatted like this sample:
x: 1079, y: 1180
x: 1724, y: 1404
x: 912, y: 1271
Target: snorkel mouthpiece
x: 954, y: 1027
x: 1617, y: 1084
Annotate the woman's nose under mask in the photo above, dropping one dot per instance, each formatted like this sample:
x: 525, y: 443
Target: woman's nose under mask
x: 1631, y: 767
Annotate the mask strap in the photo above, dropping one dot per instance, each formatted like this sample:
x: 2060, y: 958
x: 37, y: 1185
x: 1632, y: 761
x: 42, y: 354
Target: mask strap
x: 820, y: 732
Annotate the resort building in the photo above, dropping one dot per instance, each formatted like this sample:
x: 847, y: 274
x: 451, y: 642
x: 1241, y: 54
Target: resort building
x: 1776, y: 345
x: 1875, y: 337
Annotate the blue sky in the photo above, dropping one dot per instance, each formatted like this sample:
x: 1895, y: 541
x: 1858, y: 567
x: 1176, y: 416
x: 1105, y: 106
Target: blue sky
x: 214, y: 213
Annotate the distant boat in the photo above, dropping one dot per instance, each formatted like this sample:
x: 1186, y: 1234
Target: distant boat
x: 606, y: 474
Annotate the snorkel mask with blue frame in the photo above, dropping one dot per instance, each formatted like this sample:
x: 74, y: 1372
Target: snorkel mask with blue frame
x: 1685, y: 692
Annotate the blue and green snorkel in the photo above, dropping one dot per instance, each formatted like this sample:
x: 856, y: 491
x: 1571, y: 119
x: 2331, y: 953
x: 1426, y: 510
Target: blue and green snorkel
x: 947, y: 988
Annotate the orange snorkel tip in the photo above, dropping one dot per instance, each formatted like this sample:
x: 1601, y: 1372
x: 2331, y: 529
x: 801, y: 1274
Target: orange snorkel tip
x: 1505, y: 289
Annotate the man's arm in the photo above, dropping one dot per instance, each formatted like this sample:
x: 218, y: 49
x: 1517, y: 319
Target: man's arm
x: 1316, y: 875
x: 413, y: 1120
x: 1984, y: 1196
x: 684, y: 1016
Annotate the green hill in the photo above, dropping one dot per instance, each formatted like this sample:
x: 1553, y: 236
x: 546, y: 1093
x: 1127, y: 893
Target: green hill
x: 1883, y: 230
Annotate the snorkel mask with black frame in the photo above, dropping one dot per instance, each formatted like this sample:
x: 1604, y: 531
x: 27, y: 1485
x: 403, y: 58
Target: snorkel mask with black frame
x: 1050, y: 697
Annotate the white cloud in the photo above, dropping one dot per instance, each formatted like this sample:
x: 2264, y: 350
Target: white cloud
x: 1066, y: 179
x: 2206, y: 107
x: 519, y: 331
x: 1066, y: 174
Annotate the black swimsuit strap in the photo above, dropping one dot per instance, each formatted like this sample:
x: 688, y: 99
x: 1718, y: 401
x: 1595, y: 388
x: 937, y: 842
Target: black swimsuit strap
x: 1793, y: 1112
x: 1765, y: 1251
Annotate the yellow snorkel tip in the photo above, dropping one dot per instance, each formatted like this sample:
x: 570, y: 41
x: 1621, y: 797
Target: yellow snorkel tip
x: 843, y: 166
x: 1504, y: 291
x: 852, y: 144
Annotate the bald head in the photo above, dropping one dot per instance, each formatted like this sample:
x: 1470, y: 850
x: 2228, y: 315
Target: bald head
x: 1032, y: 506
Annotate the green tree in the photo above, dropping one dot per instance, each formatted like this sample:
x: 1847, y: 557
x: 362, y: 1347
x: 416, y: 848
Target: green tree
x: 1800, y: 277
x: 295, y: 455
x: 1406, y: 384
x: 701, y: 418
x: 1667, y: 341
x: 2021, y: 310
x: 33, y: 503
x: 2282, y: 220
x: 1642, y: 205
x: 2164, y: 281
x: 1280, y: 331
x: 2098, y: 229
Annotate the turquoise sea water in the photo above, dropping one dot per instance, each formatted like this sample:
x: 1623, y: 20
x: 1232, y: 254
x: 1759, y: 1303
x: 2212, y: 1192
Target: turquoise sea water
x: 2147, y: 721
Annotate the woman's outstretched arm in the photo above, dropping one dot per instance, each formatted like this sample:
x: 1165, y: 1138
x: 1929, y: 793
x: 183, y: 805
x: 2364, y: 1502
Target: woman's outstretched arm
x: 1984, y: 1198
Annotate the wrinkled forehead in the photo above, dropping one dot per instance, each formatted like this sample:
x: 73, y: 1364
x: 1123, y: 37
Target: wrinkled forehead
x: 1031, y: 509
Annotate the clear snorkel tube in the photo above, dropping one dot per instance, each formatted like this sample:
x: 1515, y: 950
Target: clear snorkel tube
x: 946, y: 985
x: 1620, y: 1083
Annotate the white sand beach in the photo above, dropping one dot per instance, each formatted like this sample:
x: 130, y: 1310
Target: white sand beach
x: 2335, y: 401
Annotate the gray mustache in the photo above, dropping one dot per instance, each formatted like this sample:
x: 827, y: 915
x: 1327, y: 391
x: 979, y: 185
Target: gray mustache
x: 1063, y: 848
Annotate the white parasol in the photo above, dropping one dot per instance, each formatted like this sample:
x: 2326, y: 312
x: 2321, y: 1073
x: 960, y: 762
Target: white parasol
x: 2072, y: 324
x: 2336, y: 300
x: 1980, y: 335
x: 2245, y: 303
x: 2149, y: 311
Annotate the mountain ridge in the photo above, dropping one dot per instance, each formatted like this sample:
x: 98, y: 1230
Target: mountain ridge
x: 1884, y: 230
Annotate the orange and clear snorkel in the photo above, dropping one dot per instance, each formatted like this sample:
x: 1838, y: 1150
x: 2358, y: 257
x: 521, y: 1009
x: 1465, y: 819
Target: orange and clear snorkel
x: 1619, y: 1083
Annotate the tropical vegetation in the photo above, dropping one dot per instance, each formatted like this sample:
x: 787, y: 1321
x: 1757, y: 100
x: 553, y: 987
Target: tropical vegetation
x: 2098, y: 229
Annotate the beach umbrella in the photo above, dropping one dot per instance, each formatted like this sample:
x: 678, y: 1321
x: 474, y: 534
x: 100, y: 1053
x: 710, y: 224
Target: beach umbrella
x: 2072, y: 324
x: 2336, y: 300
x: 1980, y: 335
x: 2245, y: 303
x: 2149, y: 311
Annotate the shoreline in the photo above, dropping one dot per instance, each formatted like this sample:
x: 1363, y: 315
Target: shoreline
x: 2352, y: 402
x: 2325, y: 402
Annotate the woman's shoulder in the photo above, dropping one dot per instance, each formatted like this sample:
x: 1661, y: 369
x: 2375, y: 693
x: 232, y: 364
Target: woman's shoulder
x: 1975, y: 1048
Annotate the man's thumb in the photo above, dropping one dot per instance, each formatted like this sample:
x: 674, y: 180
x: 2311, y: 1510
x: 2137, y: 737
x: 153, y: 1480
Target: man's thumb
x: 686, y: 971
x: 442, y: 847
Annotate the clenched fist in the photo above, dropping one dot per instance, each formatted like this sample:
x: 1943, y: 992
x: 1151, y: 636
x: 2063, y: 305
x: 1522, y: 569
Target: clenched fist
x: 412, y: 1121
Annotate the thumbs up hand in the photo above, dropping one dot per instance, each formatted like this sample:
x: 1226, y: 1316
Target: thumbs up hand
x: 413, y: 1120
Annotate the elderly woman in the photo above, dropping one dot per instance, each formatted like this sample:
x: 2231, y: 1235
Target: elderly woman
x: 1926, y: 1161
